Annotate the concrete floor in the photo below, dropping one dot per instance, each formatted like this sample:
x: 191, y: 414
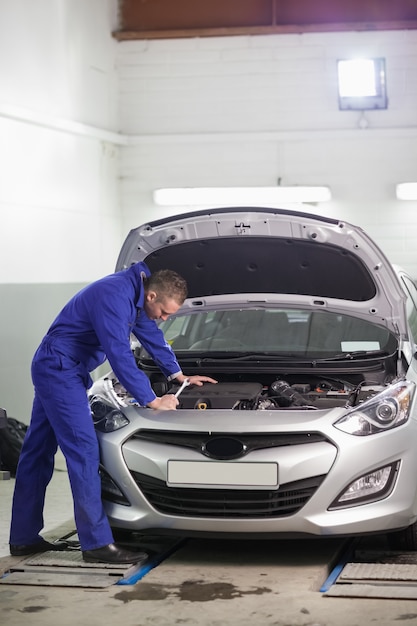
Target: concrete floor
x: 206, y: 582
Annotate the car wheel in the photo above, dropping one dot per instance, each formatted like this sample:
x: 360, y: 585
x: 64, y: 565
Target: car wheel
x: 404, y: 539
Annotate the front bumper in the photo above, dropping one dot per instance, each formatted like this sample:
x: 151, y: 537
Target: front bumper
x: 333, y: 465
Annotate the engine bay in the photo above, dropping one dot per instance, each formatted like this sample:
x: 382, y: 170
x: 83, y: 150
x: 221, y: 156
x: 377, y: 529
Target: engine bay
x: 292, y: 392
x: 279, y: 394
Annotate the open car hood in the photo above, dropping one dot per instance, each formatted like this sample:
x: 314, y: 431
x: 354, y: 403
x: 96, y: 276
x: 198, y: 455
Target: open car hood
x: 264, y: 255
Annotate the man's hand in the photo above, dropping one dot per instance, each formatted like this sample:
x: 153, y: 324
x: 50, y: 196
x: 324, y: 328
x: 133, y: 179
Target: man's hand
x: 164, y: 403
x: 195, y: 380
x: 169, y: 401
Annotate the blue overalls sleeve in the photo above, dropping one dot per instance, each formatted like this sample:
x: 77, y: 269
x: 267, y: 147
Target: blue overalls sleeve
x: 113, y: 315
x: 152, y: 339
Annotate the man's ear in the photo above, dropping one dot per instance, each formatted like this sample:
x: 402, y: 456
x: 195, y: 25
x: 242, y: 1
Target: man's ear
x: 151, y: 296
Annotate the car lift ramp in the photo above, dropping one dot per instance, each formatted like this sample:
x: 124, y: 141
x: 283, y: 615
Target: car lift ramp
x: 362, y: 573
x: 358, y: 572
x: 66, y: 568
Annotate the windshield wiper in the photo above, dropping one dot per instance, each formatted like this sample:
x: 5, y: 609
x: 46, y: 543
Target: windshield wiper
x: 356, y: 354
x: 225, y: 357
x: 249, y: 356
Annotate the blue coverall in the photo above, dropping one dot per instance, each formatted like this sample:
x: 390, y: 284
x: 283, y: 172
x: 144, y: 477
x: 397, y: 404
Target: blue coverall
x: 95, y: 324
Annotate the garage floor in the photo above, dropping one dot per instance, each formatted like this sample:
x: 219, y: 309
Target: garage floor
x: 204, y: 582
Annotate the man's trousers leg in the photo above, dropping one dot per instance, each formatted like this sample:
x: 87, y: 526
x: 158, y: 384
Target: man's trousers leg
x: 61, y: 397
x: 34, y: 472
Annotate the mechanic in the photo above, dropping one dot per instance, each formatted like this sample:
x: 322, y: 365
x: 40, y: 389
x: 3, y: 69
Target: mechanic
x: 94, y: 325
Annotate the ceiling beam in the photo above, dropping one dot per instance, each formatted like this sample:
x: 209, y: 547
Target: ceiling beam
x: 157, y: 19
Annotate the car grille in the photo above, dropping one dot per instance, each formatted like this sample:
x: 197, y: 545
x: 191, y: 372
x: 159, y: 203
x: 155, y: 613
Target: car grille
x: 252, y: 441
x: 238, y: 503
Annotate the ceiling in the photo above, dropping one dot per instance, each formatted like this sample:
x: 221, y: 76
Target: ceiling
x: 162, y: 19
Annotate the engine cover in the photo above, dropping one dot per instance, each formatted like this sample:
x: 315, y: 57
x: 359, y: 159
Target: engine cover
x: 218, y: 396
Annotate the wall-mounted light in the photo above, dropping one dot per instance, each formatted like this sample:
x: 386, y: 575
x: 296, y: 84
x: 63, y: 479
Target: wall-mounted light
x: 406, y: 191
x: 362, y: 84
x: 246, y: 196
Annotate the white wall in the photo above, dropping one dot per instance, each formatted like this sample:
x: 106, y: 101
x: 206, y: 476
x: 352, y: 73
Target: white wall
x: 249, y: 110
x: 59, y: 198
x: 58, y: 163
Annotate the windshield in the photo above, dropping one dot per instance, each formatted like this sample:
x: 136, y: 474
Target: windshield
x: 284, y: 331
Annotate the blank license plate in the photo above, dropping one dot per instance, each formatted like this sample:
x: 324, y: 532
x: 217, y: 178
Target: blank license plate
x: 222, y: 474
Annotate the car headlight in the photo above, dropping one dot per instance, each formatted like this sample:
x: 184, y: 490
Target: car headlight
x: 99, y: 408
x: 387, y: 410
x: 113, y: 421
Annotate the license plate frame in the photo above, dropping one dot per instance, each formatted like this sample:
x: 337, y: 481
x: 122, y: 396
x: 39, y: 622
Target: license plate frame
x: 222, y: 474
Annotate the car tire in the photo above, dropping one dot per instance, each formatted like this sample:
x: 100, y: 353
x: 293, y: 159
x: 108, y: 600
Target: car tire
x: 404, y: 539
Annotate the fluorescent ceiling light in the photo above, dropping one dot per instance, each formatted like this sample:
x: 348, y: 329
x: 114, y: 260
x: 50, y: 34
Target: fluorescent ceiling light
x: 406, y: 191
x: 247, y: 196
x: 362, y: 84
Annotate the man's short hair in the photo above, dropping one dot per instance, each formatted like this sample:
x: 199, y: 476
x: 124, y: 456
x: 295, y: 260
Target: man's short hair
x: 167, y: 284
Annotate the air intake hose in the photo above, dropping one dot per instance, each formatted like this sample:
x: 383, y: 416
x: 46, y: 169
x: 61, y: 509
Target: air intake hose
x: 282, y: 389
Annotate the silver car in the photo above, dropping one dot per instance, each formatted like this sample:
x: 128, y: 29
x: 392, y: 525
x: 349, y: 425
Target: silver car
x: 312, y: 428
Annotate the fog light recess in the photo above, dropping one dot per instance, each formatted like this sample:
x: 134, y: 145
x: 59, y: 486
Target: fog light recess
x: 371, y: 487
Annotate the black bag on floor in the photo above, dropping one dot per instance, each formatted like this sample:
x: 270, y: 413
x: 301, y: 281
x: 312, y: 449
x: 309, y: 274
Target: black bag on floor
x: 11, y: 441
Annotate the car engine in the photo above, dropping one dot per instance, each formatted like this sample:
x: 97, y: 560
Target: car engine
x: 279, y: 394
x: 320, y: 393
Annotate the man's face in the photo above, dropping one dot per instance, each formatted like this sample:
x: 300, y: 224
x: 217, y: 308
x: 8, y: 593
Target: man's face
x: 157, y: 308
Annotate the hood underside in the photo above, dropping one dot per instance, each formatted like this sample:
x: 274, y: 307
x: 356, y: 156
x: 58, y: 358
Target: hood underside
x: 272, y: 251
